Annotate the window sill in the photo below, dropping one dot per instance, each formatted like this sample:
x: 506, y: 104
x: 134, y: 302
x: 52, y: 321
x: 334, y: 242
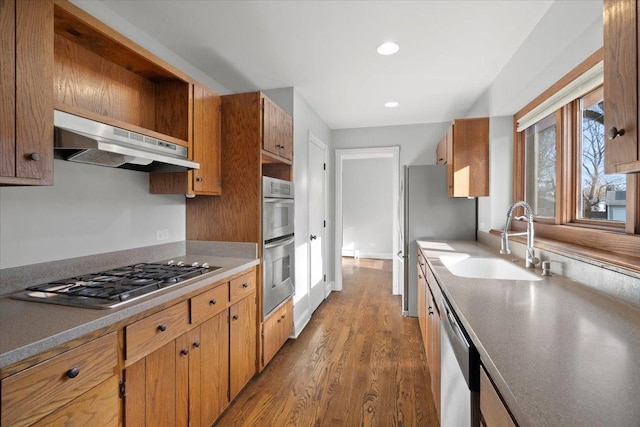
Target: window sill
x: 625, y: 260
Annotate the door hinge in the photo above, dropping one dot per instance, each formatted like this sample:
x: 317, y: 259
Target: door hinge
x: 324, y: 166
x: 324, y: 223
x: 121, y: 389
x: 324, y: 277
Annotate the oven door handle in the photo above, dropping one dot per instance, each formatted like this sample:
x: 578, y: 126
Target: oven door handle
x: 279, y: 243
x: 273, y: 200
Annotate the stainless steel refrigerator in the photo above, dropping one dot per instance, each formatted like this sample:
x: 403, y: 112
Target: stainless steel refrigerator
x: 429, y: 214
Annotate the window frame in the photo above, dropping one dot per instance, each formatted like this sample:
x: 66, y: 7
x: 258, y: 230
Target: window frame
x: 606, y: 241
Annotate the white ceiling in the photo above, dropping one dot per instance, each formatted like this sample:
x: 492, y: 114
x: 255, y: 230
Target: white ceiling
x: 450, y: 51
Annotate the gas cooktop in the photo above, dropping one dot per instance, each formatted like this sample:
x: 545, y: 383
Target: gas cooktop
x: 112, y: 288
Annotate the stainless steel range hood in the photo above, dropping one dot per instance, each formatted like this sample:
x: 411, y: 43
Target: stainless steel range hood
x: 96, y: 143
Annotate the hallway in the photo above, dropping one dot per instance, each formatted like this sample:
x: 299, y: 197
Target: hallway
x: 357, y: 363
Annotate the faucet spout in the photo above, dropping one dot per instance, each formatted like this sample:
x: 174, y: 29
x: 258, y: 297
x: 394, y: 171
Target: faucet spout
x: 530, y: 259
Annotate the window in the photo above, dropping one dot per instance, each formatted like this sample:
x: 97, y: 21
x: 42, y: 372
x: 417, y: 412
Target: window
x: 559, y: 169
x: 601, y: 197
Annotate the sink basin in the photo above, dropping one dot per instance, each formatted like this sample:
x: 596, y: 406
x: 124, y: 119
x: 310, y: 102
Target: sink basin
x: 485, y: 268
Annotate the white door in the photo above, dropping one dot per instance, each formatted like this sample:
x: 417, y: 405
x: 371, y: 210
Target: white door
x: 317, y: 225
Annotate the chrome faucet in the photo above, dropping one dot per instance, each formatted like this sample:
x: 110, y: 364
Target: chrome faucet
x: 530, y: 259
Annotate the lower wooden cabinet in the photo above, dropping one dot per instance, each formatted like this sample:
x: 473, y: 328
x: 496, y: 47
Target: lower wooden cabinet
x: 243, y: 346
x: 493, y: 413
x: 276, y: 330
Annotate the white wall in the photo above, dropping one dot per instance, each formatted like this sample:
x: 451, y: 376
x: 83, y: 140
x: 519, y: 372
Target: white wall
x: 89, y: 210
x: 417, y: 142
x: 367, y: 219
x: 569, y: 33
x: 306, y: 120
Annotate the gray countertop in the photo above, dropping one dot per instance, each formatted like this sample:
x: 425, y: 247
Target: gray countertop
x: 28, y: 328
x: 560, y: 353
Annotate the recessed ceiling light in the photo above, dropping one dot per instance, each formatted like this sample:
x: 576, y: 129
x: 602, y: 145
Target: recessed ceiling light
x: 388, y: 48
x: 391, y: 104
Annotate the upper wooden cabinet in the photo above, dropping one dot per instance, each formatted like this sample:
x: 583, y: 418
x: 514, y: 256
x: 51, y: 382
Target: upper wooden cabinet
x: 101, y: 75
x: 621, y: 85
x: 277, y: 130
x: 26, y: 79
x: 465, y: 151
x: 206, y: 126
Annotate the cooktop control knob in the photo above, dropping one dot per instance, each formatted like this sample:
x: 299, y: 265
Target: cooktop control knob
x: 205, y: 265
x: 195, y: 264
x: 180, y: 264
x: 171, y: 262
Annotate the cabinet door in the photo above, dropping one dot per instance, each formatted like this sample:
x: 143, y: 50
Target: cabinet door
x: 26, y: 110
x: 286, y: 139
x: 242, y: 337
x: 441, y: 152
x: 206, y: 141
x: 621, y: 90
x: 434, y: 352
x: 214, y: 368
x: 269, y: 126
x: 493, y: 412
x: 422, y: 306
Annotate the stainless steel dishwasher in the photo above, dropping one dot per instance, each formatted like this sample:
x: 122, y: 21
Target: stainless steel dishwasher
x: 460, y: 373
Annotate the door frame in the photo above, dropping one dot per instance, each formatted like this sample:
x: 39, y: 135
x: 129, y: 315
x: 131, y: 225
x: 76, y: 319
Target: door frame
x: 313, y: 139
x: 392, y: 152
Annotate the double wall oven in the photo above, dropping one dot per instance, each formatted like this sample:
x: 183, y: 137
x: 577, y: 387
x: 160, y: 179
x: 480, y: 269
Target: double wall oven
x: 277, y: 242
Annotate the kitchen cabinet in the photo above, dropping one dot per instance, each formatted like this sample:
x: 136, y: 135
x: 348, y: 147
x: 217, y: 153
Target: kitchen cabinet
x: 493, y: 412
x: 429, y: 295
x: 276, y: 330
x: 277, y: 130
x: 101, y: 75
x: 238, y: 213
x: 66, y: 388
x: 26, y: 79
x: 205, y: 181
x: 465, y: 151
x: 621, y: 85
x: 242, y: 347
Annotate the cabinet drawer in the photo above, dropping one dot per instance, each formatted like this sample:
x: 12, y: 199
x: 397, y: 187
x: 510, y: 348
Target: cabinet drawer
x: 151, y: 333
x: 34, y: 393
x: 209, y: 303
x: 242, y: 286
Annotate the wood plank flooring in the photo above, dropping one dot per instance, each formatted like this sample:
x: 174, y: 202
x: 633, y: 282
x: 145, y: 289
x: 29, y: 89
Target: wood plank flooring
x: 357, y: 363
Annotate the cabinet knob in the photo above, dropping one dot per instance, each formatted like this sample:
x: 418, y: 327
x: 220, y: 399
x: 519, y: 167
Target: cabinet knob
x: 34, y: 156
x: 196, y: 344
x: 282, y: 317
x: 212, y: 302
x: 614, y: 131
x: 73, y: 372
x: 199, y: 179
x: 279, y: 320
x: 184, y: 351
x: 234, y: 317
x: 245, y: 285
x: 162, y: 328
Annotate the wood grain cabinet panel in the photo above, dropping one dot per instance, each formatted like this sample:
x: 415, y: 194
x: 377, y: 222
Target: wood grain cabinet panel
x: 276, y: 331
x: 26, y: 107
x: 152, y: 332
x: 465, y: 151
x: 31, y: 394
x: 242, y: 286
x: 214, y: 368
x: 209, y: 303
x: 242, y: 337
x: 277, y: 130
x: 621, y: 85
x: 492, y: 410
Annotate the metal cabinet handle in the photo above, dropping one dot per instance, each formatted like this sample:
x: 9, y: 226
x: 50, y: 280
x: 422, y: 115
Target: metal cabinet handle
x: 199, y: 179
x: 213, y: 302
x: 196, y: 344
x: 184, y: 351
x: 34, y: 156
x: 73, y: 372
x: 162, y: 328
x: 235, y: 317
x: 614, y: 131
x: 245, y: 285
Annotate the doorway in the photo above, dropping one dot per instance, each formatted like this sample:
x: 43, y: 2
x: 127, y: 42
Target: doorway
x: 343, y: 155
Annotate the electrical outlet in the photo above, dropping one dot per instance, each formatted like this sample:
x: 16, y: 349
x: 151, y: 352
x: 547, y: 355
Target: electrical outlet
x: 162, y: 234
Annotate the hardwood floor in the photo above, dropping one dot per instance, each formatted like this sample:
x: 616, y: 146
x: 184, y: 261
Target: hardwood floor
x: 357, y: 363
